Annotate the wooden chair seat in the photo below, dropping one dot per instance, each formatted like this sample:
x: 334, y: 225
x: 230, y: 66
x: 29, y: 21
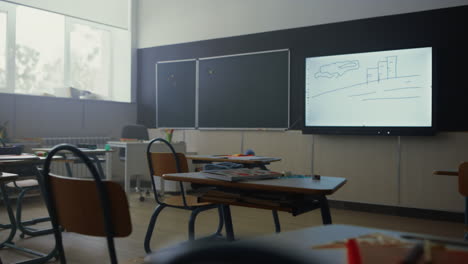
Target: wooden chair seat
x: 192, y: 200
x: 23, y: 183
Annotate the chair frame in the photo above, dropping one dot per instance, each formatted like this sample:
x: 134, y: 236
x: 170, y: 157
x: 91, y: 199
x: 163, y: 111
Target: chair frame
x: 103, y: 198
x: 161, y: 205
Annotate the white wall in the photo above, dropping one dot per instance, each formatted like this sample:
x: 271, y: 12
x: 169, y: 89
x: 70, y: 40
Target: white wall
x: 163, y: 22
x: 109, y: 12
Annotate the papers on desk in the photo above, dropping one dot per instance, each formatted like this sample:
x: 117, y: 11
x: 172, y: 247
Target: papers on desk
x: 250, y: 158
x: 241, y: 174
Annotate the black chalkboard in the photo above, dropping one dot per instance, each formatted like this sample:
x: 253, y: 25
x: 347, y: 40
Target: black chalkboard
x: 175, y: 94
x: 244, y: 91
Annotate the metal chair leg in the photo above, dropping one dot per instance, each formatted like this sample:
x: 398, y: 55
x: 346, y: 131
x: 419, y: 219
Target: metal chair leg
x: 149, y: 232
x: 195, y: 213
x: 193, y: 216
x: 276, y: 220
x: 221, y: 221
x: 22, y: 224
x: 228, y: 222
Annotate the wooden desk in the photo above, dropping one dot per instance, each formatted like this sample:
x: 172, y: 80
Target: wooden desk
x: 6, y: 177
x: 94, y: 155
x: 12, y: 226
x: 251, y: 161
x: 312, y: 192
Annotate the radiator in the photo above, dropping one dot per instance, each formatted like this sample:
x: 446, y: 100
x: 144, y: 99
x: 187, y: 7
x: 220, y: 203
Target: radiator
x: 78, y: 170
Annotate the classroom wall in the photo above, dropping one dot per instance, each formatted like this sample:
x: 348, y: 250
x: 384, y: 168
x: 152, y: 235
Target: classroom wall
x: 109, y: 12
x: 168, y: 22
x: 380, y: 170
x: 38, y: 116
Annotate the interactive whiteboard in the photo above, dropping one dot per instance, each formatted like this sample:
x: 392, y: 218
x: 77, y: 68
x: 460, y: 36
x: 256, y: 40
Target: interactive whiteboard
x: 374, y: 89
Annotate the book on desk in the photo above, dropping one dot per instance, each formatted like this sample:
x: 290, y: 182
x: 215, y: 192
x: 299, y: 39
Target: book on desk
x: 241, y: 174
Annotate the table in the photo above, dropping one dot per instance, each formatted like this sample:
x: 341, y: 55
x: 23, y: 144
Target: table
x: 249, y: 161
x: 136, y: 162
x: 312, y: 193
x: 94, y: 154
x: 455, y: 173
x: 8, y: 242
x: 303, y: 240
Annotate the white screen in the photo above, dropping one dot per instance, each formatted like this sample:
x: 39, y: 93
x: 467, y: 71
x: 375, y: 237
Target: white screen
x: 374, y: 89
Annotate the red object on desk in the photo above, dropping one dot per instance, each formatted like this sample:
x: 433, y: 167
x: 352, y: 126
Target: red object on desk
x: 353, y: 254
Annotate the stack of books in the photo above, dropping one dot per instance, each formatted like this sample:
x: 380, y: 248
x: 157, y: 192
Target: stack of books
x: 241, y: 174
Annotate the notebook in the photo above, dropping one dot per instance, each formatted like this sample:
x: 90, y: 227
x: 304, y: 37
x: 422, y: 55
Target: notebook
x: 241, y: 174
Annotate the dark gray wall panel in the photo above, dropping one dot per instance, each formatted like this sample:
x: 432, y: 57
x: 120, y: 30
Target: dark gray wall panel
x: 106, y: 118
x: 176, y: 83
x: 244, y: 91
x: 7, y: 112
x: 38, y: 116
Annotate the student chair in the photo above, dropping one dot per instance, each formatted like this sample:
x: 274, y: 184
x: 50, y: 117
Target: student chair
x: 138, y: 132
x: 85, y: 206
x: 172, y: 162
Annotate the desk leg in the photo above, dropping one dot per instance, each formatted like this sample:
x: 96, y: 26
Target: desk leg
x: 127, y: 171
x: 228, y: 222
x: 109, y: 165
x: 325, y: 210
x: 43, y: 258
x: 98, y: 165
x: 11, y: 216
x: 466, y: 218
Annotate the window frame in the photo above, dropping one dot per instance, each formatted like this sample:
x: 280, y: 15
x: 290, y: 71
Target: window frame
x: 10, y: 64
x: 114, y: 91
x: 69, y: 21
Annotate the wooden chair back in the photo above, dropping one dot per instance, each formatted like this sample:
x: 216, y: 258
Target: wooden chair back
x: 463, y: 179
x: 85, y: 206
x: 78, y: 208
x: 164, y: 163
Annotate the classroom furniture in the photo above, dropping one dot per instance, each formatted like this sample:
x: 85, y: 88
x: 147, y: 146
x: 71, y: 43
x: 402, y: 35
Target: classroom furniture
x: 305, y: 194
x: 247, y: 161
x: 135, y: 132
x: 136, y: 161
x: 160, y: 164
x: 302, y: 241
x: 26, y: 166
x: 12, y: 225
x: 462, y: 174
x: 85, y: 206
x: 95, y: 155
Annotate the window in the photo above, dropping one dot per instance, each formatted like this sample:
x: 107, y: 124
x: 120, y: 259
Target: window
x: 3, y: 49
x: 90, y: 53
x: 39, y: 51
x: 44, y: 53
